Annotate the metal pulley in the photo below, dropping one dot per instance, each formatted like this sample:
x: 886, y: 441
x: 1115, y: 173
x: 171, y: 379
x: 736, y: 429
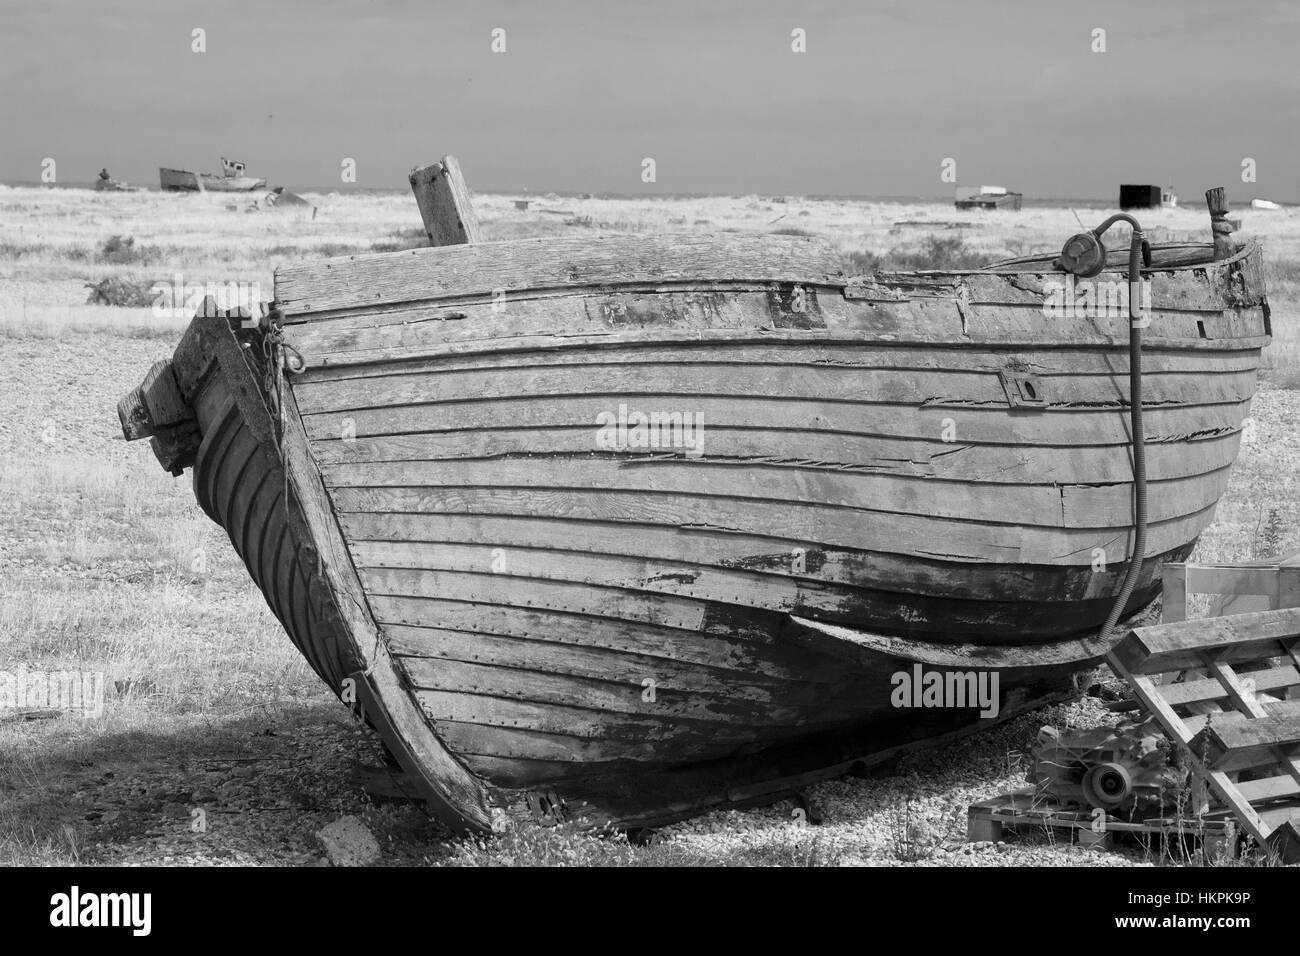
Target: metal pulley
x: 1083, y: 255
x: 1107, y: 785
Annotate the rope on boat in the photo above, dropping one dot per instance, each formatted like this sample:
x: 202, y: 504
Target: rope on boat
x: 276, y: 354
x: 282, y: 358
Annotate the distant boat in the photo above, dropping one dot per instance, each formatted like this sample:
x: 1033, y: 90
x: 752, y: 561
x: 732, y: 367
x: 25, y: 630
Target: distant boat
x: 107, y: 184
x: 1264, y: 204
x: 986, y: 197
x: 231, y: 180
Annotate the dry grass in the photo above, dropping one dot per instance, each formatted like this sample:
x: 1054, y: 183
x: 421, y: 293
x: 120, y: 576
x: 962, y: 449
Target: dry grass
x: 109, y: 565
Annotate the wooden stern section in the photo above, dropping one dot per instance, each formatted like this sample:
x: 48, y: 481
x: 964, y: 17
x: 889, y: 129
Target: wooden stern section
x: 207, y: 409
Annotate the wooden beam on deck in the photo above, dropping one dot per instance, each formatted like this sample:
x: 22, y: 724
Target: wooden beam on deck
x: 444, y: 201
x: 1220, y: 227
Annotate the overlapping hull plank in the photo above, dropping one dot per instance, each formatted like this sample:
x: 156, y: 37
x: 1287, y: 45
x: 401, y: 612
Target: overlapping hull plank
x: 547, y: 612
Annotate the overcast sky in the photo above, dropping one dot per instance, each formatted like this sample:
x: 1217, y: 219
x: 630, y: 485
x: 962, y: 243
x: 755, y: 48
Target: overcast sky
x: 585, y: 91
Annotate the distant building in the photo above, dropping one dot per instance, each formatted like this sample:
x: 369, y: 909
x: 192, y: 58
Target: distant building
x: 1146, y: 197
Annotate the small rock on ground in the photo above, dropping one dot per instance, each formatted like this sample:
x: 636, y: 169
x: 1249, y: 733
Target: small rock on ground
x: 347, y: 842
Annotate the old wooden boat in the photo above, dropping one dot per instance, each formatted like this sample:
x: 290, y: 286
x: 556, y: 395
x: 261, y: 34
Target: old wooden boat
x: 629, y: 527
x: 230, y: 180
x: 986, y: 197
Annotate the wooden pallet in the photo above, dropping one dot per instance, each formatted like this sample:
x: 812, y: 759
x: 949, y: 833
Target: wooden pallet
x: 1027, y: 809
x: 1241, y: 588
x: 1228, y: 690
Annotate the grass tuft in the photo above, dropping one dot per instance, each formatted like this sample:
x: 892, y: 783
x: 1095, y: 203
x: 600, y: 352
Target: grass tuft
x: 122, y: 251
x: 127, y: 293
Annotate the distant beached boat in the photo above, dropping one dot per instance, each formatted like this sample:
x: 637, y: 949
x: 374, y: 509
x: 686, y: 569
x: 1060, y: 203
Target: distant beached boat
x: 106, y: 183
x: 231, y: 180
x: 987, y: 197
x: 114, y: 186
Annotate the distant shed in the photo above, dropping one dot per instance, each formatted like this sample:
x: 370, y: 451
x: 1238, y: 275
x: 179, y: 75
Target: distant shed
x: 1146, y: 197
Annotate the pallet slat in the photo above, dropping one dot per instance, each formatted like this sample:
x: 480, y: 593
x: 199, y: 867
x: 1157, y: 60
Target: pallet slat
x: 1026, y: 809
x: 1183, y: 645
x: 1248, y: 743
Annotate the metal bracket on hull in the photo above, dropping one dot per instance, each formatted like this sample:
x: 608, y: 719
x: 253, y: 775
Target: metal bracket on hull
x: 1023, y: 389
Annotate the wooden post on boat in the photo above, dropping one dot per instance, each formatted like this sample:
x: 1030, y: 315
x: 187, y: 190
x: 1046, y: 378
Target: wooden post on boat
x: 444, y: 202
x: 1220, y: 227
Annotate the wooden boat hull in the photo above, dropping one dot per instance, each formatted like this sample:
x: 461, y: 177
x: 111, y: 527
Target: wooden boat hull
x: 542, y: 607
x: 181, y: 180
x: 1009, y: 201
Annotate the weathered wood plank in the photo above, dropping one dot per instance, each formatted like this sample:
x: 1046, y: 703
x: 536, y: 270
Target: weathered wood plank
x: 1249, y: 743
x: 923, y: 536
x: 163, y: 396
x: 577, y: 723
x: 942, y: 338
x: 1268, y: 788
x: 445, y: 203
x: 133, y: 413
x: 1280, y: 708
x: 867, y: 648
x: 964, y: 424
x: 546, y: 650
x: 1029, y: 464
x: 701, y: 482
x: 1208, y: 689
x: 515, y: 570
x: 512, y: 570
x: 1173, y: 594
x: 903, y: 386
x: 662, y: 609
x: 594, y: 261
x: 1183, y: 290
x: 800, y: 355
x: 481, y: 268
x: 866, y: 566
x: 726, y: 645
x: 740, y: 304
x: 1217, y: 201
x: 1183, y: 645
x: 437, y: 647
x: 729, y: 316
x: 591, y: 754
x: 610, y: 696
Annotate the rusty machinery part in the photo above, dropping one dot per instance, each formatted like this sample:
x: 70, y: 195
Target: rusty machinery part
x: 1129, y: 767
x: 1107, y: 785
x: 1083, y: 255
